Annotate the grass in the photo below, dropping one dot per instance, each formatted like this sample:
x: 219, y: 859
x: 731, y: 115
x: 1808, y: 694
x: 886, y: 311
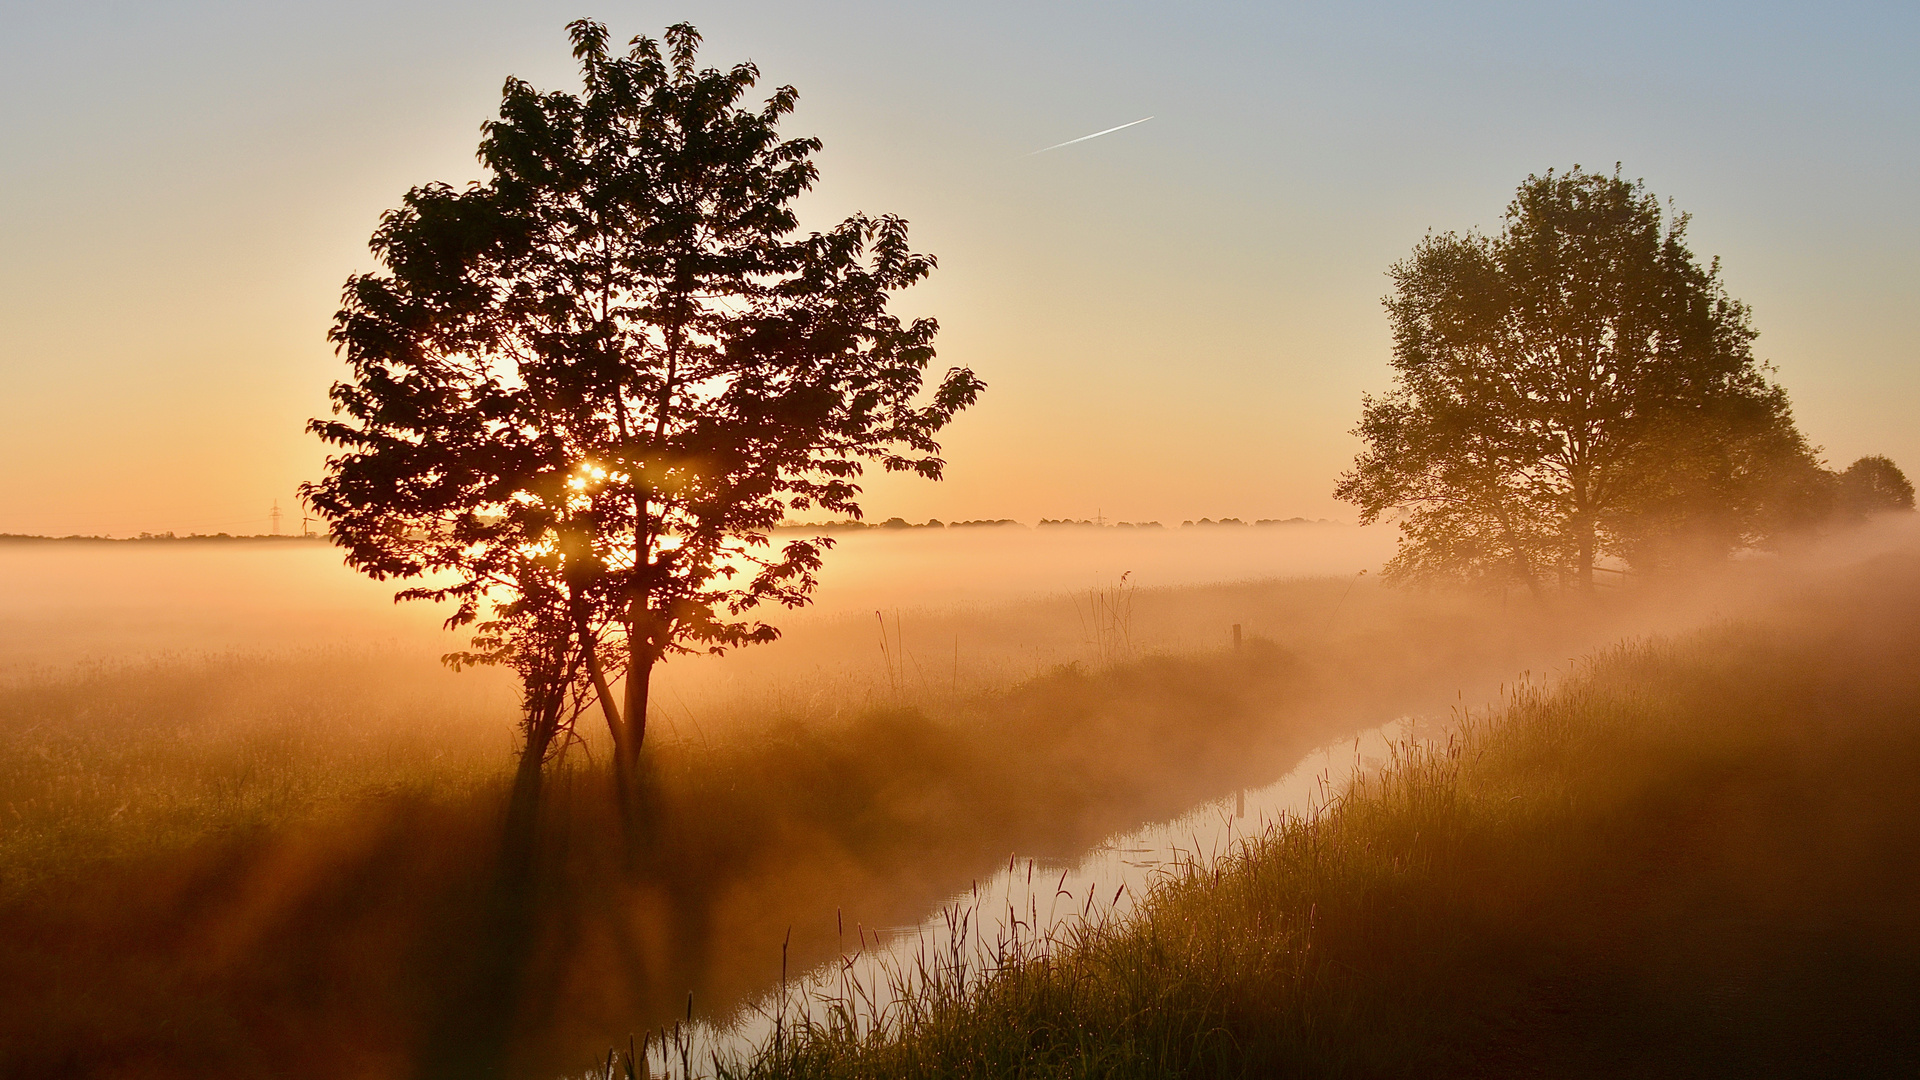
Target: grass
x: 198, y: 892
x: 1695, y: 858
x: 107, y: 764
x: 291, y: 865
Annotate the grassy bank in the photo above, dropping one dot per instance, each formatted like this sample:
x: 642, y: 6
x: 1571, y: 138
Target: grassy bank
x: 1695, y: 858
x: 289, y: 865
x: 282, y: 865
x: 186, y: 906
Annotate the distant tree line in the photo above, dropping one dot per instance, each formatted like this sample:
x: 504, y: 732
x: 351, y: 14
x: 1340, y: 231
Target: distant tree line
x: 856, y: 525
x: 1580, y: 387
x: 1205, y: 522
x: 168, y: 537
x: 1044, y: 523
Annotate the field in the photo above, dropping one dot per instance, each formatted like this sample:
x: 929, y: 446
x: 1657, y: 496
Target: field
x: 287, y: 862
x: 1694, y: 857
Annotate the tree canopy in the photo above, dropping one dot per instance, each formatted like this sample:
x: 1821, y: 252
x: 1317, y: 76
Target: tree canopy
x: 1874, y: 485
x: 584, y: 390
x: 1577, y: 386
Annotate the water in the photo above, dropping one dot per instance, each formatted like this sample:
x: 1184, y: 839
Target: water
x: 1032, y: 899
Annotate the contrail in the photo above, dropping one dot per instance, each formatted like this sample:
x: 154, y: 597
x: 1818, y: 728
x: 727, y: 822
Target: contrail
x: 1095, y: 135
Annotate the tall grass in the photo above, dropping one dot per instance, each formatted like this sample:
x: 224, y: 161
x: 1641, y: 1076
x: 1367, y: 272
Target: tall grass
x: 218, y: 862
x: 1695, y: 858
x: 1106, y: 620
x: 107, y: 763
x: 291, y: 866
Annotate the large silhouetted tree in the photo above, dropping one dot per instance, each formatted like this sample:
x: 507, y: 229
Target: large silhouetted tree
x: 584, y: 390
x: 1576, y: 386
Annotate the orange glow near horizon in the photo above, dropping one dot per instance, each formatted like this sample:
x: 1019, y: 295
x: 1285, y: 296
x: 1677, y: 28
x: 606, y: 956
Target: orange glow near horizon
x: 1175, y: 320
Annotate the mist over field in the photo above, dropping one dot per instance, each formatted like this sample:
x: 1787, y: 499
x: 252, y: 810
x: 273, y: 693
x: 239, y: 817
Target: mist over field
x: 118, y: 602
x: 508, y: 565
x: 181, y: 736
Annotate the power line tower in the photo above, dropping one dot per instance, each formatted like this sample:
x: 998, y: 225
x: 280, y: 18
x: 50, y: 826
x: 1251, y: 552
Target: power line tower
x: 275, y: 515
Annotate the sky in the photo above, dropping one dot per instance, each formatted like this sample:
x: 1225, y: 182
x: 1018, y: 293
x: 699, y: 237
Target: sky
x: 1175, y: 320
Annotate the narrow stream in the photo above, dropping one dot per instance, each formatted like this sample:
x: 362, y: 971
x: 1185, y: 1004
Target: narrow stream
x: 1029, y: 900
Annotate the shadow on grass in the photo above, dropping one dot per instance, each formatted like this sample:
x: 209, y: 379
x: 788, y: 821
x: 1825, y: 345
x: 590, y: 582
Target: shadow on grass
x: 391, y: 934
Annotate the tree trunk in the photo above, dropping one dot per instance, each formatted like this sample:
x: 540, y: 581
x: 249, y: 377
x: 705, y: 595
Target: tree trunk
x: 640, y: 661
x: 1583, y: 535
x: 1583, y: 525
x: 1520, y: 560
x: 622, y: 776
x: 1527, y: 575
x: 543, y: 722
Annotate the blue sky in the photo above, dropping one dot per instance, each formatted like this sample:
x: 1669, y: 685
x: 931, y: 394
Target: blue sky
x: 1176, y: 320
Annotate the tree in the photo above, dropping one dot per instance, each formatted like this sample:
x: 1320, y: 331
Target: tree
x: 1574, y: 387
x: 1729, y: 473
x: 1875, y: 485
x: 583, y: 391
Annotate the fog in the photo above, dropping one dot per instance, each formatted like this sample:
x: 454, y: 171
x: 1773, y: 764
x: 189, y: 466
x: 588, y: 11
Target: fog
x: 247, y: 755
x: 74, y: 602
x: 68, y: 602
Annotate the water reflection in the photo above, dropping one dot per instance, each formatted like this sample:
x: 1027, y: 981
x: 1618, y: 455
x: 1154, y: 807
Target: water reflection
x: 1030, y: 899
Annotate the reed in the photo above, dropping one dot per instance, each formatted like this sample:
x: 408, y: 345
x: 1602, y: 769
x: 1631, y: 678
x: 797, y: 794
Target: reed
x: 287, y: 865
x: 1692, y: 858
